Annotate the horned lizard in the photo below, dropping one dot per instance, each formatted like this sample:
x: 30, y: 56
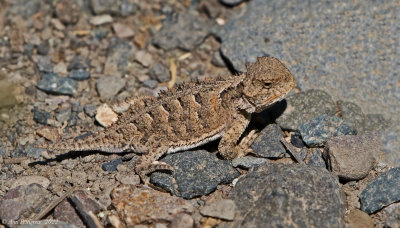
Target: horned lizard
x: 189, y: 116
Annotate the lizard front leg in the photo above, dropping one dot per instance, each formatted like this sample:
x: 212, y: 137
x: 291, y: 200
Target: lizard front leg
x: 229, y: 147
x: 148, y: 163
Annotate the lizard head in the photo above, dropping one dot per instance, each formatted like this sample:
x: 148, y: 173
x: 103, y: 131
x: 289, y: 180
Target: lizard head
x: 267, y: 81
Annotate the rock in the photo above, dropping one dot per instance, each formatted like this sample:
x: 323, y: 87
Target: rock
x: 127, y: 8
x: 296, y: 141
x: 106, y: 116
x: 129, y: 179
x: 67, y: 213
x: 63, y: 115
x: 322, y: 57
x: 284, y: 196
x: 376, y: 122
x: 25, y: 8
x: 315, y: 158
x: 182, y: 30
x: 268, y: 143
x: 22, y: 201
x: 359, y: 219
x: 248, y: 162
x: 40, y: 117
x: 353, y: 114
x: 351, y: 157
x: 90, y: 110
x: 112, y: 165
x: 79, y: 74
x: 217, y: 60
x: 43, y: 48
x: 318, y: 130
x: 49, y: 133
x: 144, y: 58
x: 222, y: 209
x: 159, y: 72
x: 381, y: 192
x: 137, y: 205
x: 393, y: 215
x: 303, y: 107
x: 101, y: 20
x: 196, y: 173
x: 52, y: 83
x: 122, y: 31
x: 68, y: 11
x: 79, y: 62
x: 118, y: 56
x: 109, y: 86
x: 86, y: 206
x: 105, y: 6
x: 152, y: 84
x: 27, y: 180
x: 231, y: 2
x: 44, y: 65
x: 182, y: 221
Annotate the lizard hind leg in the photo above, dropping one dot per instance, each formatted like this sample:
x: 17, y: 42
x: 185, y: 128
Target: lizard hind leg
x: 148, y: 163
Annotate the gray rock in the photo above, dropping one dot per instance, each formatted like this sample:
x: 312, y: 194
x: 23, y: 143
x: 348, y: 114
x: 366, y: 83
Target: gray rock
x: 381, y: 192
x: 305, y: 106
x: 22, y: 201
x: 353, y: 114
x: 66, y: 212
x: 346, y: 61
x: 351, y: 157
x: 268, y: 143
x: 25, y: 8
x: 315, y: 158
x: 285, y: 196
x: 150, y: 83
x: 52, y: 83
x: 182, y: 30
x: 223, y: 209
x: 90, y: 110
x: 43, y: 48
x: 127, y: 8
x: 144, y: 58
x: 159, y: 72
x: 248, y: 162
x: 318, y: 130
x: 112, y: 165
x: 376, y: 122
x: 197, y: 173
x: 63, y: 115
x: 44, y: 65
x: 109, y: 86
x: 296, y: 141
x: 393, y: 215
x: 79, y: 74
x: 217, y: 60
x: 18, y: 151
x: 79, y: 62
x: 105, y: 6
x: 118, y: 55
x: 231, y: 2
x: 40, y: 117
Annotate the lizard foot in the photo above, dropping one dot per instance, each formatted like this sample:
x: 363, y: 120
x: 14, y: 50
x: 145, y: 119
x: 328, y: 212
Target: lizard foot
x: 144, y: 169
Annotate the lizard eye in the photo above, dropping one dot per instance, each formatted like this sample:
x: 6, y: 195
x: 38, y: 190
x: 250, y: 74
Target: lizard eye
x: 267, y: 84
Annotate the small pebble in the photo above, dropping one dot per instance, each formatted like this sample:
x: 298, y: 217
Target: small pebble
x: 223, y: 209
x: 123, y: 31
x: 80, y: 74
x: 112, y: 165
x: 100, y: 20
x: 105, y: 115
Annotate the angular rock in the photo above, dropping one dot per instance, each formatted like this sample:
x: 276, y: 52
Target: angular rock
x: 27, y: 180
x: 105, y: 6
x: 44, y: 65
x: 182, y: 30
x: 296, y: 141
x: 144, y: 58
x: 67, y: 213
x: 393, y: 215
x: 159, y: 72
x: 86, y: 206
x: 381, y: 192
x: 268, y: 143
x: 315, y: 158
x: 196, y: 173
x: 359, y: 219
x: 137, y: 205
x: 25, y: 8
x: 248, y: 162
x: 182, y: 220
x: 63, y: 115
x: 101, y: 19
x: 21, y: 202
x: 105, y: 115
x: 80, y: 74
x: 376, y: 122
x: 284, y: 196
x: 79, y: 62
x: 52, y: 83
x: 109, y: 86
x: 68, y: 11
x: 353, y: 114
x: 303, y: 107
x: 217, y: 60
x: 118, y: 56
x: 90, y: 110
x: 223, y: 209
x: 112, y: 165
x: 351, y: 157
x: 318, y: 130
x: 122, y: 31
x: 40, y: 117
x: 127, y: 8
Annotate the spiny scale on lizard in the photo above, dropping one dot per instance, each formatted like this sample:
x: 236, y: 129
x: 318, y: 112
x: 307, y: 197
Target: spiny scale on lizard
x: 190, y: 115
